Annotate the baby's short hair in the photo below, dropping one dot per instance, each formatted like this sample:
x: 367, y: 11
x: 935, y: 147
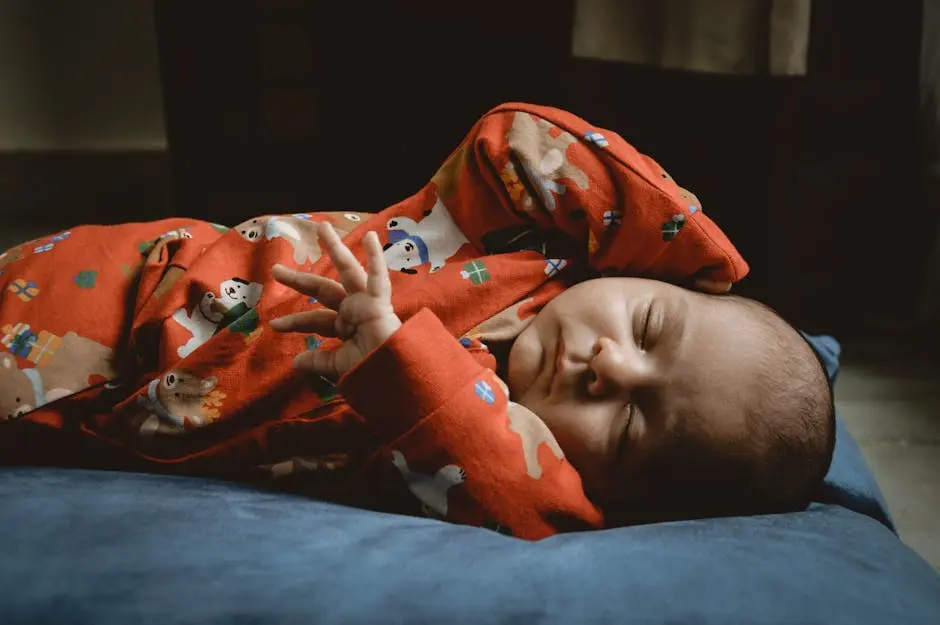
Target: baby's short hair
x: 792, y: 417
x: 781, y: 461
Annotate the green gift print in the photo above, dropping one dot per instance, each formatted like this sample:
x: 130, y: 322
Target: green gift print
x: 672, y: 227
x: 476, y: 272
x: 245, y: 323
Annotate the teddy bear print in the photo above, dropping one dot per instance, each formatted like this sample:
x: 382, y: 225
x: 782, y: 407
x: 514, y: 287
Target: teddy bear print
x: 690, y: 199
x: 237, y: 297
x: 430, y: 490
x: 543, y: 158
x: 70, y: 369
x: 169, y: 279
x: 10, y: 256
x: 21, y: 391
x: 175, y: 234
x: 687, y: 196
x: 345, y: 223
x: 176, y: 401
x: 431, y: 241
x: 447, y: 178
x: 150, y: 252
x: 506, y: 324
x: 533, y: 432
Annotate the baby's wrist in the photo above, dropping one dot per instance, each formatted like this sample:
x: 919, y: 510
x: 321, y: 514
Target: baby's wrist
x: 375, y: 333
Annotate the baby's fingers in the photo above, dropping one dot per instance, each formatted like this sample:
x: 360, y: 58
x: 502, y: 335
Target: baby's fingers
x: 328, y: 292
x: 322, y: 322
x: 712, y: 286
x: 378, y: 283
x: 351, y: 273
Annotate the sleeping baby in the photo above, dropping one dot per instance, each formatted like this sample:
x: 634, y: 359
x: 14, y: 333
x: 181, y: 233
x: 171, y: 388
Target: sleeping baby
x: 538, y: 341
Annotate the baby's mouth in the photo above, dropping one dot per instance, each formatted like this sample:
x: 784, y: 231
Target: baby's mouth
x: 558, y: 365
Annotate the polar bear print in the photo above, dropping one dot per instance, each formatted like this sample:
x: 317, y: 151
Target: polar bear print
x: 202, y: 323
x: 430, y: 490
x: 300, y: 233
x: 433, y: 240
x: 236, y: 297
x: 237, y: 291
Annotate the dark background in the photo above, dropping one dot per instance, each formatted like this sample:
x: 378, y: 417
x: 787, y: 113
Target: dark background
x: 303, y: 105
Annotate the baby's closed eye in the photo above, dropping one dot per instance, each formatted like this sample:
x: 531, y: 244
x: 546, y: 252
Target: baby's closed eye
x: 624, y: 429
x: 648, y: 325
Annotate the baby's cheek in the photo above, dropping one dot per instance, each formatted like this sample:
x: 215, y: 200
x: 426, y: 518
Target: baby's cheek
x: 524, y: 359
x: 583, y: 433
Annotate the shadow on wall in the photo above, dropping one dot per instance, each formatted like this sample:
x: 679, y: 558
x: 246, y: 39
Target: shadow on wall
x: 81, y: 124
x: 930, y: 119
x: 79, y: 76
x: 66, y: 188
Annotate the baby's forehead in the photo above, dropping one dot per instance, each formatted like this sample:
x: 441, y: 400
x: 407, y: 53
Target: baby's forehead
x: 731, y: 352
x: 746, y: 320
x: 637, y: 283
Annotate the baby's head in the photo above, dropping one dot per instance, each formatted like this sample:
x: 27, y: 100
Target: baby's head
x: 674, y: 404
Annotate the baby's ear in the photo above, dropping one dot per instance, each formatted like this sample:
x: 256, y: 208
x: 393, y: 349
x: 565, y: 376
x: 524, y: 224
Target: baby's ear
x: 714, y: 287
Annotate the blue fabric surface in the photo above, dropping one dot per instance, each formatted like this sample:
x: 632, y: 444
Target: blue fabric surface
x: 849, y: 481
x: 107, y: 548
x: 100, y: 547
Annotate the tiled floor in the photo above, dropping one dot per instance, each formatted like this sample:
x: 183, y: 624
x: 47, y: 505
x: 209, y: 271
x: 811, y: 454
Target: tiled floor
x: 890, y: 401
x: 891, y: 404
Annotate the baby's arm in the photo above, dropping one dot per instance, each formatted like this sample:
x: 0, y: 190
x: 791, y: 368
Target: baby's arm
x: 466, y: 453
x: 462, y: 449
x: 530, y: 177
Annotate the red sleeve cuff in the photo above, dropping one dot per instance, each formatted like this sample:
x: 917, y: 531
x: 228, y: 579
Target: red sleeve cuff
x: 410, y: 376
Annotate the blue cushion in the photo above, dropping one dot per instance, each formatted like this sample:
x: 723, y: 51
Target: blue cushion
x: 103, y: 547
x: 849, y: 482
x: 112, y: 548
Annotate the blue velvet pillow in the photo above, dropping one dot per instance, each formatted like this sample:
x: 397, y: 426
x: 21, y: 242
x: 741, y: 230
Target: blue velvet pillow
x: 110, y: 548
x: 849, y: 482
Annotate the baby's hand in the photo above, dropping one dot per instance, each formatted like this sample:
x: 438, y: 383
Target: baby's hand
x: 712, y: 286
x: 358, y: 311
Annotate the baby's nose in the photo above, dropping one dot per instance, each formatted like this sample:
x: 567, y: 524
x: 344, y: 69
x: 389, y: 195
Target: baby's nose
x: 616, y: 369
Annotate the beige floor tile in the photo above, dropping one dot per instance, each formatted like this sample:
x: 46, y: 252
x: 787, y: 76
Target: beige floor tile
x: 899, y: 421
x: 909, y: 476
x: 890, y: 403
x: 886, y: 381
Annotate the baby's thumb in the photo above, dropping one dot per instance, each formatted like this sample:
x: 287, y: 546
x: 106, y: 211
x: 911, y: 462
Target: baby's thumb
x: 712, y: 286
x: 317, y: 362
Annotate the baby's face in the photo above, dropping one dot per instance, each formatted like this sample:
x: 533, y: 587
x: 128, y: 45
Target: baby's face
x: 623, y: 369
